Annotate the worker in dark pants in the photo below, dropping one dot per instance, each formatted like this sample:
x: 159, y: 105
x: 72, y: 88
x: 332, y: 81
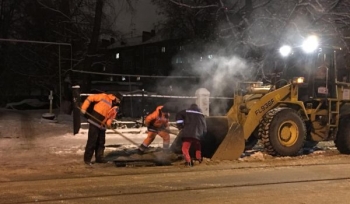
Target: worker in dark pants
x: 104, y: 111
x: 193, y: 127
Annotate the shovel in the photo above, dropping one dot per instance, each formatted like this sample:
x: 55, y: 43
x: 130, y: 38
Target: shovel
x: 115, y: 131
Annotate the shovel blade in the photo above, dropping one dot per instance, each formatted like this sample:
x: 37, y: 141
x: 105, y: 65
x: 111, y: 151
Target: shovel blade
x: 232, y: 146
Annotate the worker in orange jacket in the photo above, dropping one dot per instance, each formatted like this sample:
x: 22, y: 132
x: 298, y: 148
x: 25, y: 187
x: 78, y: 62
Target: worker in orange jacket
x: 105, y: 110
x: 157, y: 123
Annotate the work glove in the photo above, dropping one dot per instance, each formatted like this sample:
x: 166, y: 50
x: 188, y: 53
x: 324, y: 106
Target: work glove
x: 167, y: 115
x: 147, y: 124
x: 114, y: 124
x: 180, y: 126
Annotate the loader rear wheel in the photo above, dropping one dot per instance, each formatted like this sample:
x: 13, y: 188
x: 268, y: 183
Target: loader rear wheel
x: 282, y: 131
x: 342, y: 141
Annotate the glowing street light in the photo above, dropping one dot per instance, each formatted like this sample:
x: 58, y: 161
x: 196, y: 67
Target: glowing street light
x: 285, y: 50
x: 310, y: 44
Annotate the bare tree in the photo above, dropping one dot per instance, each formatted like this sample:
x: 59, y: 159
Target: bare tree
x: 255, y: 29
x: 79, y: 22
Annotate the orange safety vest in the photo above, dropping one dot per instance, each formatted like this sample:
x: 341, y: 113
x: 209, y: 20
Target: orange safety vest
x: 157, y: 118
x: 103, y: 112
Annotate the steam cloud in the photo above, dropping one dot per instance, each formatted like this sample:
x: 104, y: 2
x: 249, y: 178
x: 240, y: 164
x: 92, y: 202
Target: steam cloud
x: 219, y: 74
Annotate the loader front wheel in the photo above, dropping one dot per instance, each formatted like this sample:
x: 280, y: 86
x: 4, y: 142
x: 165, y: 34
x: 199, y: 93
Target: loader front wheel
x: 252, y: 140
x: 283, y: 132
x: 342, y: 141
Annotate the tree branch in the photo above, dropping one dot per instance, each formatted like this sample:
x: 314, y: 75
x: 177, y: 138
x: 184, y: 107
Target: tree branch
x: 194, y: 7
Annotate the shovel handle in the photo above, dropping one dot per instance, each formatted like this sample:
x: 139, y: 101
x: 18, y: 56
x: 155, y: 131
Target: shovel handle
x: 119, y: 133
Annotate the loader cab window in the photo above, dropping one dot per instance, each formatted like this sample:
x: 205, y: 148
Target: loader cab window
x: 298, y: 65
x: 301, y: 65
x: 343, y: 71
x: 324, y: 75
x: 322, y: 67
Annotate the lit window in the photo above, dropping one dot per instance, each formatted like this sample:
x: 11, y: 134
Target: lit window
x: 163, y: 49
x: 117, y: 56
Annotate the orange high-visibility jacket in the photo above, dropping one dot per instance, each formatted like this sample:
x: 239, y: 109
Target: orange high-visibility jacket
x: 157, y: 119
x: 103, y: 112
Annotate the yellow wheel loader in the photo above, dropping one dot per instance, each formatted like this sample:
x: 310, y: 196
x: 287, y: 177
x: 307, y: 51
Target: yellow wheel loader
x: 312, y: 106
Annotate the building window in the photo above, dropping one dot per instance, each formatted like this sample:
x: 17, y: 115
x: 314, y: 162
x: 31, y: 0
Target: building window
x: 117, y: 55
x: 163, y: 49
x: 178, y: 60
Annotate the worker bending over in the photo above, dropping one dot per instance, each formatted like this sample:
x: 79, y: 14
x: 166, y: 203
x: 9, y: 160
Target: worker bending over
x: 157, y: 123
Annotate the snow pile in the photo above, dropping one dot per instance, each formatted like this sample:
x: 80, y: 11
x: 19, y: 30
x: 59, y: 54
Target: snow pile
x: 35, y: 103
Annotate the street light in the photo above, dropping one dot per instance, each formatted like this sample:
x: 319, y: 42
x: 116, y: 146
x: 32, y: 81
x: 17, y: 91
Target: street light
x: 285, y: 50
x: 310, y: 44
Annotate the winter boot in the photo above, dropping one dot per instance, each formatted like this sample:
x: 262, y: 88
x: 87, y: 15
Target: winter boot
x: 199, y: 161
x: 142, y: 148
x: 101, y: 160
x: 89, y: 164
x: 189, y: 164
x: 87, y: 157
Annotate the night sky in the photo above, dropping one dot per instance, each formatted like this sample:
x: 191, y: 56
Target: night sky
x: 144, y: 18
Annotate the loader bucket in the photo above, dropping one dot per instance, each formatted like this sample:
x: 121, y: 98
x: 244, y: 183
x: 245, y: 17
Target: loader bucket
x: 222, y: 142
x: 232, y: 146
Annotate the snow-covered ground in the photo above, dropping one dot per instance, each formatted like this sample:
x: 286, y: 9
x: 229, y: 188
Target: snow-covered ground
x: 113, y: 139
x: 30, y: 144
x: 61, y: 129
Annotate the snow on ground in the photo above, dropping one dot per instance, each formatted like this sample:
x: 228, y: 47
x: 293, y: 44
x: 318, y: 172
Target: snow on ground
x: 113, y: 139
x: 27, y: 139
x: 31, y: 146
x: 58, y: 136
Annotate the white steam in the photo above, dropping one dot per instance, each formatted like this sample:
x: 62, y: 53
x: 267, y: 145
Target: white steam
x: 220, y: 74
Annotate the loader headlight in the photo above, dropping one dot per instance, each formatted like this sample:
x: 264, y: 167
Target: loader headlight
x: 285, y: 50
x: 310, y: 44
x: 298, y: 80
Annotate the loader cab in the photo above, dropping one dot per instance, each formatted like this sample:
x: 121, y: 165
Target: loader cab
x: 319, y: 70
x: 329, y: 69
x: 299, y: 64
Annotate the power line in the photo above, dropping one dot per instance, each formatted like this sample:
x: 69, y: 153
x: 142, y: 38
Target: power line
x: 132, y: 75
x: 163, y: 96
x: 33, y: 41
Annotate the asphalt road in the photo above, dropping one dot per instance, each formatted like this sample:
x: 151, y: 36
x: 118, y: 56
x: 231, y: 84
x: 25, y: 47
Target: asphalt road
x: 314, y: 183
